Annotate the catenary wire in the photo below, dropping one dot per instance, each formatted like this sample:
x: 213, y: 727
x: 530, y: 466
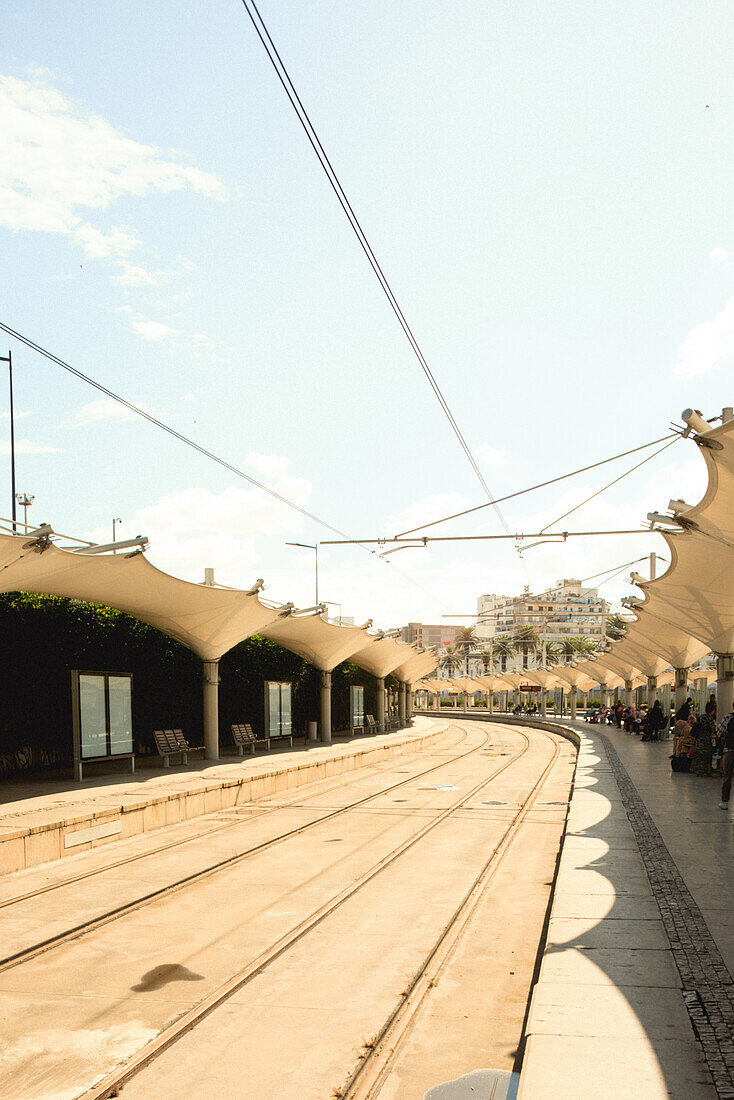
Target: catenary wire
x: 197, y: 447
x: 532, y: 488
x: 611, y: 483
x: 302, y: 114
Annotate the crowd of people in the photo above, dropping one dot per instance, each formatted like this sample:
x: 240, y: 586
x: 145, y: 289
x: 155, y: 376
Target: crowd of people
x: 700, y: 745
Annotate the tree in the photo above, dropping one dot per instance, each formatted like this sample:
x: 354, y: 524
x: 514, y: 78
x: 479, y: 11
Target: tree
x: 525, y: 640
x: 466, y: 642
x: 450, y: 659
x: 552, y: 653
x: 567, y: 649
x: 487, y: 658
x: 617, y: 626
x: 585, y: 647
x: 504, y: 649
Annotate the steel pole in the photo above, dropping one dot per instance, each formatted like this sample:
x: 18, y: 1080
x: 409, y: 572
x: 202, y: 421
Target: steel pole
x: 9, y: 360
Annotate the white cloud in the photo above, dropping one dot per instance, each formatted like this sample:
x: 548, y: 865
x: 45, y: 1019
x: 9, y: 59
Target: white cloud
x: 236, y: 531
x: 27, y: 447
x: 59, y: 161
x: 153, y: 330
x: 105, y: 408
x: 718, y: 254
x: 431, y: 507
x: 490, y: 455
x: 708, y: 345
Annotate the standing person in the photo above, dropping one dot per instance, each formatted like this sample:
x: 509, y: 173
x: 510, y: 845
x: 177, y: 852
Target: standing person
x: 725, y: 731
x: 657, y: 721
x: 711, y: 706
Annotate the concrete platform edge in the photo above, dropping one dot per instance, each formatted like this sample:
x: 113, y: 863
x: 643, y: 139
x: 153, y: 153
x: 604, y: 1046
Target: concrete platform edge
x: 23, y: 846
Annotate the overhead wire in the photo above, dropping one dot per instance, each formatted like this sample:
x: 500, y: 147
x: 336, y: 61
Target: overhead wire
x: 199, y: 448
x: 611, y: 483
x: 532, y: 488
x: 303, y: 117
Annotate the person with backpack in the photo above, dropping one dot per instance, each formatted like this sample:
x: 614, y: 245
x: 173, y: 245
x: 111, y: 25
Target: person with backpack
x: 725, y: 730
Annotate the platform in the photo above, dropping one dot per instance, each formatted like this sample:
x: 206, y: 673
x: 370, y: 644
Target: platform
x: 634, y: 994
x: 44, y: 820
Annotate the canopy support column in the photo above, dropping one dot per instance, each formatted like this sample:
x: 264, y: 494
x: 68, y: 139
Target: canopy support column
x: 602, y: 695
x: 652, y: 691
x: 326, y: 707
x: 628, y: 696
x: 408, y: 703
x: 211, y: 709
x: 724, y: 684
x: 401, y: 702
x: 573, y: 694
x: 490, y: 700
x: 380, y: 703
x: 681, y: 687
x: 543, y: 702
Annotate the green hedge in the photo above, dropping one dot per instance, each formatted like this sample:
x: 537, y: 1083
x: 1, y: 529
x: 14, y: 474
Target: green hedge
x: 42, y: 638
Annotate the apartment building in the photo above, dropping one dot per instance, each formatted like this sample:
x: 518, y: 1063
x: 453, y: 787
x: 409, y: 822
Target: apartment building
x: 429, y: 636
x: 568, y: 610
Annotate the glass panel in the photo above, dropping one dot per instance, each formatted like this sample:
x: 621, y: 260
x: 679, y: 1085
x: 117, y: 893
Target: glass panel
x: 92, y: 717
x: 285, y: 710
x: 357, y: 706
x: 121, y: 714
x: 273, y: 698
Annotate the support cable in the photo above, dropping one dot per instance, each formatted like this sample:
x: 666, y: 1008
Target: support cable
x: 201, y: 450
x: 532, y: 488
x: 611, y: 483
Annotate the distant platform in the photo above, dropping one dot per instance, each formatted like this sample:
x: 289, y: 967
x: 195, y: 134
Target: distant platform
x: 44, y: 820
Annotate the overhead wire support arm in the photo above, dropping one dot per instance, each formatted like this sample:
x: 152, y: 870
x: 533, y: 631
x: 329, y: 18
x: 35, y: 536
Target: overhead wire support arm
x: 423, y: 541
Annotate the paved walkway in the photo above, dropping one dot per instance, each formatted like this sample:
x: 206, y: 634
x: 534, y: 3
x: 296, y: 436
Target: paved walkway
x: 634, y: 996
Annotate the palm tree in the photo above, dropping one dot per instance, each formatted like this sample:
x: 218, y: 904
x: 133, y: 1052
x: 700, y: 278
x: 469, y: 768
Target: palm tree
x: 585, y: 647
x: 617, y: 626
x: 552, y: 653
x: 503, y: 648
x: 568, y: 649
x: 486, y: 656
x: 525, y: 640
x: 450, y: 659
x: 466, y: 642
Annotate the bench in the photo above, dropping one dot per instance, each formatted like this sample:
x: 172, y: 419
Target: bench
x: 371, y: 724
x: 170, y: 742
x: 244, y: 738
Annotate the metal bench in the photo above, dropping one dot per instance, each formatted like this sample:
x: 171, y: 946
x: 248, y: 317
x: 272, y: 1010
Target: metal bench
x: 170, y: 742
x: 244, y: 738
x: 370, y: 723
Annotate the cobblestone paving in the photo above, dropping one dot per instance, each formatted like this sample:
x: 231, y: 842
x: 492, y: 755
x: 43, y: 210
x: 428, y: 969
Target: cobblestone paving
x: 708, y: 987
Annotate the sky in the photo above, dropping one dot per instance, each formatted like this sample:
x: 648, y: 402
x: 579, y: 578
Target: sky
x: 548, y: 188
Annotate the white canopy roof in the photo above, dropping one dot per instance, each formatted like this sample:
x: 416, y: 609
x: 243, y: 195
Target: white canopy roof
x: 696, y: 593
x: 420, y: 664
x: 318, y: 641
x: 382, y: 655
x: 207, y: 619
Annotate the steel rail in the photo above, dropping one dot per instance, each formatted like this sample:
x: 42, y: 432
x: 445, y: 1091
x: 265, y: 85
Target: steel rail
x: 113, y: 1082
x: 370, y: 1075
x: 91, y: 925
x: 202, y: 834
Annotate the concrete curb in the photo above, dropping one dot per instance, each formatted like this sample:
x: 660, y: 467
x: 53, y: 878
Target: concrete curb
x: 63, y: 831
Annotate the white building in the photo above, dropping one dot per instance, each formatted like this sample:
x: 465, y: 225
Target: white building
x: 566, y: 611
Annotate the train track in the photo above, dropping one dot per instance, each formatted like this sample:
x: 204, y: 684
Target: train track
x: 90, y: 925
x: 113, y: 1082
x: 368, y: 1077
